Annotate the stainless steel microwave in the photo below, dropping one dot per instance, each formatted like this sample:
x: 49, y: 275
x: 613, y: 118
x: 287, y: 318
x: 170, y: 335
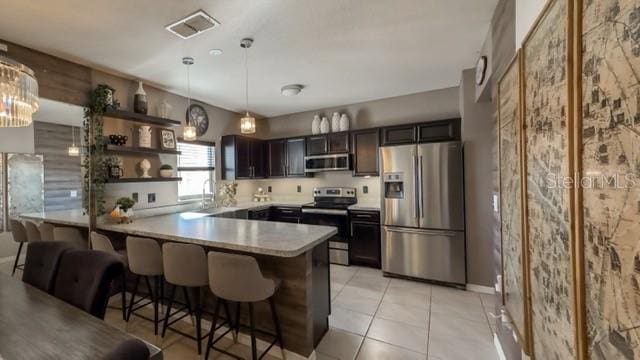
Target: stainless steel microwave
x: 333, y: 162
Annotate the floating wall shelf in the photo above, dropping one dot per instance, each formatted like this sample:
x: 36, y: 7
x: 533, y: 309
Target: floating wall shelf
x: 143, y: 180
x: 147, y: 119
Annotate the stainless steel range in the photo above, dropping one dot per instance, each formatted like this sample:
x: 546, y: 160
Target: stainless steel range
x: 330, y: 208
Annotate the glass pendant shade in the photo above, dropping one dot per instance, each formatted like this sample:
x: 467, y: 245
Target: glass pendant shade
x: 189, y: 133
x: 18, y: 94
x: 74, y: 151
x: 248, y: 124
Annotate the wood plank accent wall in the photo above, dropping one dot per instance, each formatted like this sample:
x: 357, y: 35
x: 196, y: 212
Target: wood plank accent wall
x: 62, y: 173
x: 58, y: 79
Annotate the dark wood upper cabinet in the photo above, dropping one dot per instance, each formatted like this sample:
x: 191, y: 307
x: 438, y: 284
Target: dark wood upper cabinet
x: 242, y: 158
x: 338, y: 142
x: 365, y: 145
x: 396, y: 135
x: 333, y: 143
x: 442, y: 130
x: 295, y: 150
x: 277, y: 152
x: 317, y: 145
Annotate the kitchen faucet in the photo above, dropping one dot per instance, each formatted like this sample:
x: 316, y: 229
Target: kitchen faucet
x: 205, y: 204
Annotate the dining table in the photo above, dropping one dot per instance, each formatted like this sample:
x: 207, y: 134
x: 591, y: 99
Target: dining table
x: 37, y: 325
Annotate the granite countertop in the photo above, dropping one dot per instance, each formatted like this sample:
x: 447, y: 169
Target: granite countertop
x: 368, y: 206
x: 258, y: 237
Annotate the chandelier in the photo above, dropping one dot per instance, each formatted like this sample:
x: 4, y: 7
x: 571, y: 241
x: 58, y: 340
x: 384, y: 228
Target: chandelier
x: 18, y: 93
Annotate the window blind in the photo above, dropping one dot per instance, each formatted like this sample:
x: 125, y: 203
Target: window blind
x: 196, y: 157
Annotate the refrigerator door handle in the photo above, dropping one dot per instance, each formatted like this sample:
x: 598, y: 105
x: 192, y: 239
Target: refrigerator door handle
x: 416, y: 185
x: 421, y: 204
x: 421, y: 231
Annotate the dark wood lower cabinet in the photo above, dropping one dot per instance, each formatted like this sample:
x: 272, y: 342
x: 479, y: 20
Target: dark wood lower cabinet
x: 285, y: 214
x: 364, y: 248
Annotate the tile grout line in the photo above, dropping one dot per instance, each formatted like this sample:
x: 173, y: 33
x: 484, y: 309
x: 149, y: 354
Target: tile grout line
x: 386, y: 288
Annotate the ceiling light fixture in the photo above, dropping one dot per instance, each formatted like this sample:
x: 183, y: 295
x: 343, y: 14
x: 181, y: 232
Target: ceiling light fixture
x: 73, y: 149
x: 291, y: 90
x: 192, y: 25
x: 248, y: 122
x: 215, y: 52
x: 18, y: 92
x: 189, y: 131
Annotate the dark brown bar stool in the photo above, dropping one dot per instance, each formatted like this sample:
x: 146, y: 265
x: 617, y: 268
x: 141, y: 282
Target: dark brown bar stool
x: 238, y: 278
x: 145, y: 260
x: 185, y: 266
x: 19, y: 234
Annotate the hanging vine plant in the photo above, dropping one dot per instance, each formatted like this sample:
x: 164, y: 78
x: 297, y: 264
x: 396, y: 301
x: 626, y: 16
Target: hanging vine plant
x: 94, y: 159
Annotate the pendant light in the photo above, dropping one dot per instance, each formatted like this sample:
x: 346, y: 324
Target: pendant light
x: 73, y: 149
x: 18, y: 92
x: 189, y: 130
x: 248, y: 122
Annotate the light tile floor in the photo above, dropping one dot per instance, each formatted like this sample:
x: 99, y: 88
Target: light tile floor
x: 374, y: 318
x: 380, y: 318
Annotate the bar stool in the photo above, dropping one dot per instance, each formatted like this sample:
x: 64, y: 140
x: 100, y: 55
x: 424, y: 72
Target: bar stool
x: 185, y: 265
x: 71, y: 235
x: 102, y: 243
x: 19, y: 234
x: 238, y: 278
x: 33, y: 233
x: 145, y: 260
x: 46, y: 232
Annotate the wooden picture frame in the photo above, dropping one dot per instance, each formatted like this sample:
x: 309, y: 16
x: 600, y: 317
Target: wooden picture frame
x: 512, y: 185
x: 550, y: 218
x: 167, y: 139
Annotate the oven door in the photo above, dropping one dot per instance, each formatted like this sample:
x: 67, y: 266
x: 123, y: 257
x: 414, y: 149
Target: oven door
x: 326, y: 163
x: 339, y: 243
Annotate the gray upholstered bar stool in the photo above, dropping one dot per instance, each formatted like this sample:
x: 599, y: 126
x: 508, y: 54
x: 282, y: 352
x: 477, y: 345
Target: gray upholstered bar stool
x: 145, y: 260
x: 185, y: 266
x: 71, y: 235
x: 234, y: 277
x: 33, y: 233
x: 19, y: 234
x: 46, y: 232
x: 103, y: 243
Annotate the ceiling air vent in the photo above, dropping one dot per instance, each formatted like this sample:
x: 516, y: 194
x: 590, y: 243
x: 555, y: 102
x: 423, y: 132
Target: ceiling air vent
x: 193, y: 25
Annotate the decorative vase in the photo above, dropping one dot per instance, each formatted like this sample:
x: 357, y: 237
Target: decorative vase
x: 144, y: 136
x: 335, y: 122
x: 315, y: 125
x: 140, y: 100
x: 164, y: 110
x: 145, y: 166
x: 344, y: 122
x: 324, y: 125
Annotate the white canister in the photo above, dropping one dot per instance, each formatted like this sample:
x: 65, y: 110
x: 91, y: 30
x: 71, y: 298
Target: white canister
x: 324, y: 125
x: 344, y: 122
x: 335, y: 122
x: 144, y: 136
x: 315, y: 125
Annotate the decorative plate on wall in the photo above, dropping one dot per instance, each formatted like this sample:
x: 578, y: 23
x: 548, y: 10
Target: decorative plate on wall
x: 197, y: 116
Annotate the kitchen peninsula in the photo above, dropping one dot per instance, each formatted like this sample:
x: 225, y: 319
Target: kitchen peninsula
x: 295, y: 253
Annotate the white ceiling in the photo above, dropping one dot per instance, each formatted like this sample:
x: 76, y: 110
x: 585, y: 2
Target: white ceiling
x: 342, y: 51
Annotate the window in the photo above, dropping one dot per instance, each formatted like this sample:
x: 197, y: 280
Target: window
x: 196, y: 164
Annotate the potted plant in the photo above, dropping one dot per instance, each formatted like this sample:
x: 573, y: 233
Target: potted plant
x: 166, y: 171
x: 124, y: 209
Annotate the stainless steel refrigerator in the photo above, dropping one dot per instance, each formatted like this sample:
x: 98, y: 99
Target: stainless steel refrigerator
x: 423, y: 211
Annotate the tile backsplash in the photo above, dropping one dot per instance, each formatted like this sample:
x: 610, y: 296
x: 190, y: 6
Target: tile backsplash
x: 283, y: 189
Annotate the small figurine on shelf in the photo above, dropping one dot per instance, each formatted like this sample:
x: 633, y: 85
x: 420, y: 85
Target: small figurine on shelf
x: 123, y: 210
x: 145, y: 166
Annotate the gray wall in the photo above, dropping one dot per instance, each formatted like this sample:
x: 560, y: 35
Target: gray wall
x: 17, y: 140
x: 477, y: 128
x: 425, y: 106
